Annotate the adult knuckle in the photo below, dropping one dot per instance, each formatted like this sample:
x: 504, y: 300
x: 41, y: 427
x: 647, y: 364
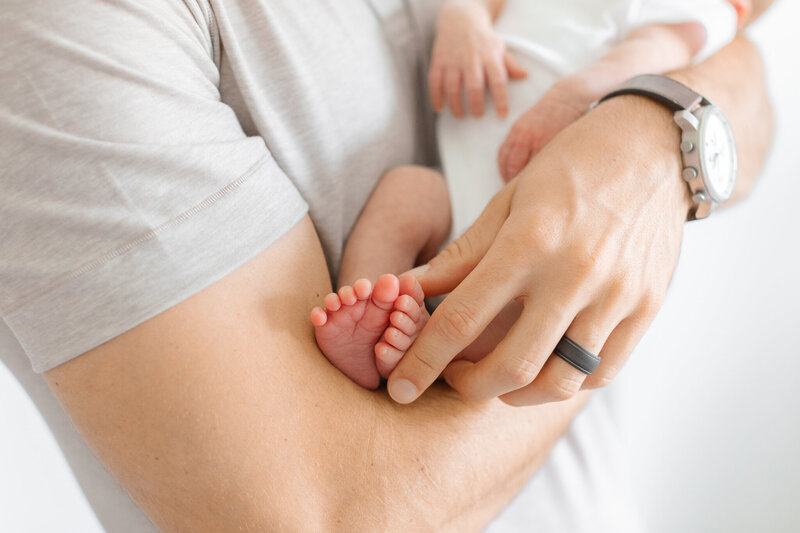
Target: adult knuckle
x: 424, y: 361
x: 585, y: 257
x: 651, y: 303
x: 515, y: 401
x: 458, y: 321
x: 545, y: 234
x: 461, y: 248
x: 624, y: 286
x: 469, y: 393
x: 563, y: 388
x: 594, y: 257
x: 599, y: 380
x: 519, y: 372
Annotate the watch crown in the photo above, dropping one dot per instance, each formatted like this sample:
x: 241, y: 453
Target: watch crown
x: 686, y: 120
x: 700, y: 198
x: 687, y: 146
x: 689, y: 173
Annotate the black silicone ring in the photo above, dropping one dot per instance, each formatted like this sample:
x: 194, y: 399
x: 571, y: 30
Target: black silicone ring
x: 574, y: 354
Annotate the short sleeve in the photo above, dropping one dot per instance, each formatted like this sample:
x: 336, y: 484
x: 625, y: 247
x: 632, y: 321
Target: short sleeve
x: 718, y: 18
x: 126, y: 184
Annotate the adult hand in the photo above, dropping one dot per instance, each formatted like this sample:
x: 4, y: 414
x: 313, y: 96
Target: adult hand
x: 586, y: 238
x: 467, y: 53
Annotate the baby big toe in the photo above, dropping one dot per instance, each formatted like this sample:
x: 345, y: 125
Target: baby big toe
x: 386, y: 290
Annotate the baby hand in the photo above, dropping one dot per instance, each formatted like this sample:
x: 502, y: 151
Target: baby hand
x: 557, y: 109
x: 467, y: 53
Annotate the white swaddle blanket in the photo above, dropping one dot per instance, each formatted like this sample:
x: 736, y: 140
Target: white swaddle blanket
x: 584, y: 485
x: 552, y: 39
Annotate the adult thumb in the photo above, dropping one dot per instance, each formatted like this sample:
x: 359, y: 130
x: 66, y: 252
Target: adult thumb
x: 445, y: 271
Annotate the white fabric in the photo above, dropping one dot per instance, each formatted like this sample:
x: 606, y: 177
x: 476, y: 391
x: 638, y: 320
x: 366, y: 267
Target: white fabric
x: 583, y: 467
x: 552, y: 40
x: 585, y: 486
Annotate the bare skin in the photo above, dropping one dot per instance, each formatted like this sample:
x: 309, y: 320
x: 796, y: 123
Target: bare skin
x: 584, y: 239
x: 405, y: 221
x: 364, y: 331
x: 652, y: 49
x: 468, y: 57
x: 221, y: 414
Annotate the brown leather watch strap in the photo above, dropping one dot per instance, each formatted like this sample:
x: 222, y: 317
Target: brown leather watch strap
x: 669, y: 92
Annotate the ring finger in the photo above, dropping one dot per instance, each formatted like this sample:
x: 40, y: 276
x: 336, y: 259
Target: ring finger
x: 558, y: 380
x: 517, y: 359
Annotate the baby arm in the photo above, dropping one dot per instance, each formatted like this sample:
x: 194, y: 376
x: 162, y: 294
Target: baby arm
x: 468, y: 56
x: 654, y: 49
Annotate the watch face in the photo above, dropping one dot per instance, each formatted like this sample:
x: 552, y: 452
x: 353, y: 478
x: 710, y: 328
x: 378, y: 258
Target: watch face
x: 717, y: 154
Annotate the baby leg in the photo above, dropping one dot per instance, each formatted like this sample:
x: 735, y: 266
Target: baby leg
x: 404, y: 223
x: 406, y: 220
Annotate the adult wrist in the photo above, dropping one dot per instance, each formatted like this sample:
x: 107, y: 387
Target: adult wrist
x: 707, y: 144
x: 651, y: 138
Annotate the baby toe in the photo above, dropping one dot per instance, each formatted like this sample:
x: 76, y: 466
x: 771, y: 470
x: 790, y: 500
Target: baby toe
x: 362, y: 288
x: 410, y: 286
x: 386, y: 291
x: 403, y: 322
x: 406, y: 304
x: 386, y: 358
x: 332, y: 302
x: 347, y: 295
x: 319, y: 317
x: 397, y: 338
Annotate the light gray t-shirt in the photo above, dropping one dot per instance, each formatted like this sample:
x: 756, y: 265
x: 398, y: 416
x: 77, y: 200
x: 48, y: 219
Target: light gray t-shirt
x: 150, y: 147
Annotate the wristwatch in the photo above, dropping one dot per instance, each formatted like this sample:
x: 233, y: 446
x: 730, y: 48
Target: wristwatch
x: 707, y: 146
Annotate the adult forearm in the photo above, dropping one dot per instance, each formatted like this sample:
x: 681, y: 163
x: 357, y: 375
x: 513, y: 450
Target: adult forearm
x: 220, y: 414
x: 468, y: 460
x: 734, y: 79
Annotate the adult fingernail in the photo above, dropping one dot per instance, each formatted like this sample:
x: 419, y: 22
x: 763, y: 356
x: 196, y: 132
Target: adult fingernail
x: 403, y: 391
x: 419, y: 271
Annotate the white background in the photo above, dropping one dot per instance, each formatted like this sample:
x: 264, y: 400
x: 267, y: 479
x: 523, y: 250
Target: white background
x: 709, y: 402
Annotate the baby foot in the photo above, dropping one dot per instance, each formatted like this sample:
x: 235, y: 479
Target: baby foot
x: 356, y: 317
x: 352, y: 322
x: 408, y: 318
